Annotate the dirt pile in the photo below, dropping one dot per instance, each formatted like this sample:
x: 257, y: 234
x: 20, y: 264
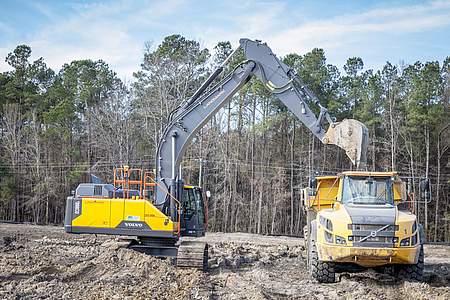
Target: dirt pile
x: 51, y: 268
x: 231, y: 255
x: 42, y: 262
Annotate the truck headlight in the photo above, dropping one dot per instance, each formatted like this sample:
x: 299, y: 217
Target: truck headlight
x: 328, y: 237
x: 329, y: 225
x: 340, y: 240
x: 404, y: 242
x: 326, y: 223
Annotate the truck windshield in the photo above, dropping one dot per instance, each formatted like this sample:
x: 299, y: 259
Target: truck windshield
x: 367, y: 190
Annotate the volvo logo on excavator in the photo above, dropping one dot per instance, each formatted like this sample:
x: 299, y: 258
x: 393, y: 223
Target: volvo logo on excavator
x: 129, y: 224
x: 134, y: 225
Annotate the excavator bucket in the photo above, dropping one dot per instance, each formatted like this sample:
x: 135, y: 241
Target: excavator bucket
x: 352, y: 136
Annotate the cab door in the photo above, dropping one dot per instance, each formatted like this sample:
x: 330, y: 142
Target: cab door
x: 192, y: 213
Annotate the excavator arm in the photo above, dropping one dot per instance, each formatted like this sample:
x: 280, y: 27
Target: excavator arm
x: 350, y: 135
x: 282, y: 81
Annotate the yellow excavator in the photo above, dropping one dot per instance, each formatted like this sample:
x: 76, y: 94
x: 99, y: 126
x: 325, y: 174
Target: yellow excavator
x: 159, y: 219
x: 354, y: 222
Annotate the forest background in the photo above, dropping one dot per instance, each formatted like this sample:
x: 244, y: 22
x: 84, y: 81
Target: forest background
x: 254, y: 155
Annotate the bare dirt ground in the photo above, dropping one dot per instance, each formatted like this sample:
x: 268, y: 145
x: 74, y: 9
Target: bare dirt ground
x: 43, y: 262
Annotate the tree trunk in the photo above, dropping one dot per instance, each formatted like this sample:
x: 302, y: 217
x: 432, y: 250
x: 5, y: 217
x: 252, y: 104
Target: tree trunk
x: 436, y: 212
x: 252, y: 166
x: 227, y: 197
x: 291, y: 229
x: 440, y: 153
x: 427, y: 166
x: 391, y: 119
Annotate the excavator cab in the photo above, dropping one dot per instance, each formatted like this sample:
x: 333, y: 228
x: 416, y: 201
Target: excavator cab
x: 193, y: 212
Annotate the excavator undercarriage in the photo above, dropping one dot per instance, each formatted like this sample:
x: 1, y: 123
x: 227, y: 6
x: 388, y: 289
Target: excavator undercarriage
x: 186, y: 254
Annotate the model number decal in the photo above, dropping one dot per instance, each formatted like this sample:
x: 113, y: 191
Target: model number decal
x: 77, y: 207
x: 214, y: 98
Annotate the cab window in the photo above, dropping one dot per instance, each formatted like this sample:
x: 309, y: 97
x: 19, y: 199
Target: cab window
x: 200, y: 205
x: 367, y: 190
x: 188, y: 202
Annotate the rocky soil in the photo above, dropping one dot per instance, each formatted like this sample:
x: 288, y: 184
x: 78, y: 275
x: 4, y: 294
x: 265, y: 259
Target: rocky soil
x: 43, y: 262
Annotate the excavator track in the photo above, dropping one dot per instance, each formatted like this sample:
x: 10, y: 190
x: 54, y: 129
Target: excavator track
x: 187, y: 254
x: 193, y: 255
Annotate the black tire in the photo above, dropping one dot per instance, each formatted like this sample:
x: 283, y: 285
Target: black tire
x: 412, y: 272
x: 322, y: 271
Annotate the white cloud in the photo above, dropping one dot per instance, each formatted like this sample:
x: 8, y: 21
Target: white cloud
x: 108, y: 30
x: 85, y: 38
x: 284, y: 28
x: 3, y: 53
x: 249, y: 19
x: 95, y: 31
x: 340, y: 30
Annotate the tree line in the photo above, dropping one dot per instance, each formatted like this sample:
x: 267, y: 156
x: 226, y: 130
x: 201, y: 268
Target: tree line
x: 254, y: 155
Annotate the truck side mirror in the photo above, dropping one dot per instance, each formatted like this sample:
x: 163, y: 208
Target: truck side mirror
x: 312, y: 186
x: 313, y: 183
x: 424, y: 185
x: 72, y: 193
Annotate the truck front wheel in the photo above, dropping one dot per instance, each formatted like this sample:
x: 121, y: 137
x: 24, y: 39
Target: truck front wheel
x: 412, y: 272
x: 322, y: 271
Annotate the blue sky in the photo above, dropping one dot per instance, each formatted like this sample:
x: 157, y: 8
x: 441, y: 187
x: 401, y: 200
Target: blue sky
x: 116, y: 31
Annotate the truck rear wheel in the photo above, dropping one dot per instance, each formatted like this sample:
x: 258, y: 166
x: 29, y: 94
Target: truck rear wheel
x: 412, y: 272
x: 322, y: 271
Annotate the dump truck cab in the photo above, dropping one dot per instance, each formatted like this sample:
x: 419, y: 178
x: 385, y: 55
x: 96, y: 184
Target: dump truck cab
x: 354, y: 223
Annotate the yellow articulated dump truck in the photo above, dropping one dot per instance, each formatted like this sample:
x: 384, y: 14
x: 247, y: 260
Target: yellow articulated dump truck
x: 354, y: 223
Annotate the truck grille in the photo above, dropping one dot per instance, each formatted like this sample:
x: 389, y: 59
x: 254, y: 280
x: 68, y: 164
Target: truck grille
x: 370, y: 235
x: 378, y: 239
x: 371, y: 227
